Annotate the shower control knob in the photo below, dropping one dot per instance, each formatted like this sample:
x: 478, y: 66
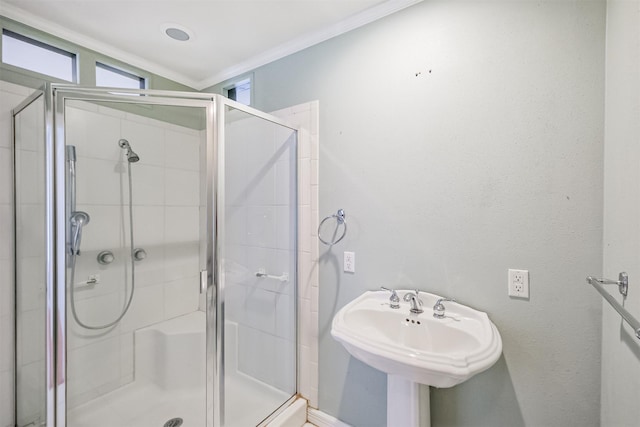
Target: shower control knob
x: 105, y: 257
x: 139, y: 254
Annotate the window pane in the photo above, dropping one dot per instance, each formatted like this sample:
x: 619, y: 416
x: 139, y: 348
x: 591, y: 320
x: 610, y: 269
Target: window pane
x: 33, y: 55
x: 108, y: 76
x: 241, y: 92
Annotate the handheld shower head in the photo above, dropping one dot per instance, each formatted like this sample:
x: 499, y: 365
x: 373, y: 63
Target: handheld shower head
x: 132, y: 157
x: 77, y: 220
x: 80, y: 218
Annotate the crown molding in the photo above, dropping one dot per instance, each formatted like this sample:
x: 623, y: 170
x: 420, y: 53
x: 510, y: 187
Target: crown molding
x: 279, y: 52
x: 308, y: 40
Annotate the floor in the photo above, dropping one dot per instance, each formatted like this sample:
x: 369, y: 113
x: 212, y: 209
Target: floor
x: 147, y: 405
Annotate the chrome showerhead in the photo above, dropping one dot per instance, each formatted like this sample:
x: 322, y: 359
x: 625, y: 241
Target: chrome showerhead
x: 132, y: 157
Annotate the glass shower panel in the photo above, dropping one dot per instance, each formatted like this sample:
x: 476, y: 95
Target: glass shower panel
x: 30, y: 264
x: 259, y: 259
x: 135, y: 316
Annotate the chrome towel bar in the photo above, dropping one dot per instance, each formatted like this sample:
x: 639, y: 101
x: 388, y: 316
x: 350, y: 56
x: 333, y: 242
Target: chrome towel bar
x: 624, y: 281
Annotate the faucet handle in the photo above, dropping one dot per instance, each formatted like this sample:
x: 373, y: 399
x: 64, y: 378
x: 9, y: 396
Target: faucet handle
x: 394, y: 300
x: 438, y: 308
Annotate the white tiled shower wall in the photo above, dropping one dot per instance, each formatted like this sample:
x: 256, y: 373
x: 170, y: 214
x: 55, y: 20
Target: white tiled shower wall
x: 166, y: 200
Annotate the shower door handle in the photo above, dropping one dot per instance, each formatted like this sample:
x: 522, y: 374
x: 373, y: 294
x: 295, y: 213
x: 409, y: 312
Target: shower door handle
x: 203, y: 281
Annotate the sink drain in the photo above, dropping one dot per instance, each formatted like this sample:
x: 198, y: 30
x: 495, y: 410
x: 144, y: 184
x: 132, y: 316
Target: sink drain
x: 174, y: 422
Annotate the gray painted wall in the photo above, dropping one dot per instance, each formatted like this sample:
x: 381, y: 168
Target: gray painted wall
x: 620, y: 349
x: 464, y: 138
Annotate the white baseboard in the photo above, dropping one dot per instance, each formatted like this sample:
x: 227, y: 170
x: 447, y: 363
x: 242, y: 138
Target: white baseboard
x: 294, y: 416
x: 320, y: 419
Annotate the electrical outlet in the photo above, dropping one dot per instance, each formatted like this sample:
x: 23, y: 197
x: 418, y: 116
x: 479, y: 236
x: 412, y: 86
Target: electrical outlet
x: 518, y: 285
x: 350, y: 262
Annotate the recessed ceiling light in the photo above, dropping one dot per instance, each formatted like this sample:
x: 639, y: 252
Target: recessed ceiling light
x: 177, y: 32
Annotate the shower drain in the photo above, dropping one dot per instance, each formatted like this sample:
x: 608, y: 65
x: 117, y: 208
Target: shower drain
x: 174, y: 422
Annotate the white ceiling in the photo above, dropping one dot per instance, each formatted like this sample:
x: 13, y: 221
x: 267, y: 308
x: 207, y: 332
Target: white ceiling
x: 229, y: 36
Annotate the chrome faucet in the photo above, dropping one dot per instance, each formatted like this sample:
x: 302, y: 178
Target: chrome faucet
x: 394, y: 300
x: 415, y: 301
x: 438, y: 309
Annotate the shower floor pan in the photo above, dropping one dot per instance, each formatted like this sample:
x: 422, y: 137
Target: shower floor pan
x: 168, y: 386
x: 150, y: 406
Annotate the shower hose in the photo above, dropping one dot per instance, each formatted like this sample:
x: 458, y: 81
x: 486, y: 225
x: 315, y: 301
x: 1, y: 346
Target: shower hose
x: 72, y: 274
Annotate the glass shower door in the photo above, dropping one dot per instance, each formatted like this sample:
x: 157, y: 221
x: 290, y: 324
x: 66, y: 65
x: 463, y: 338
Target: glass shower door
x: 259, y: 266
x: 136, y: 243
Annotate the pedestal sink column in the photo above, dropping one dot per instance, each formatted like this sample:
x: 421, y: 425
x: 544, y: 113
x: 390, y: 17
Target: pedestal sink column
x: 405, y: 405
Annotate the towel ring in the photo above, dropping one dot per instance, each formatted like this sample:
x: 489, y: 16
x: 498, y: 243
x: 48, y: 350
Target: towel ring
x: 340, y: 218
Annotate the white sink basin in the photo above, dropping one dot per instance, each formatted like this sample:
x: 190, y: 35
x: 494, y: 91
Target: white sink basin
x: 423, y: 349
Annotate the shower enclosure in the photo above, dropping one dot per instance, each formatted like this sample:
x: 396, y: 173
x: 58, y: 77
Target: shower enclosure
x: 155, y: 260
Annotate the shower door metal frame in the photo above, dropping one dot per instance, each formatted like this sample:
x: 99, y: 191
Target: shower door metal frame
x: 48, y: 304
x: 55, y: 231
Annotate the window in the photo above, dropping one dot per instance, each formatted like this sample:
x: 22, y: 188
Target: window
x: 108, y: 76
x: 240, y: 91
x: 30, y: 54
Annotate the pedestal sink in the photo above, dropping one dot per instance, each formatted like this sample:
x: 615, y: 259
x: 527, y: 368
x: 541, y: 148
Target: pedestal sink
x: 416, y: 348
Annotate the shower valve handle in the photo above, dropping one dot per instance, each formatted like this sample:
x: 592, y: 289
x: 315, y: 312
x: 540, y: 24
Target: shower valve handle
x: 139, y: 254
x: 106, y: 257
